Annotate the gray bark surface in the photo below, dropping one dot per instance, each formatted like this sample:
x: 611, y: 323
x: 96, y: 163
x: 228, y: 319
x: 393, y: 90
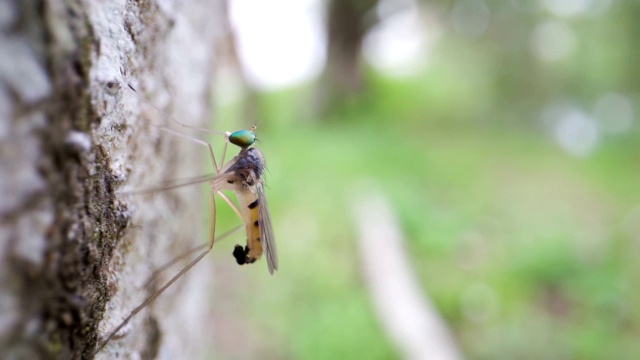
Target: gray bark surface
x: 74, y: 251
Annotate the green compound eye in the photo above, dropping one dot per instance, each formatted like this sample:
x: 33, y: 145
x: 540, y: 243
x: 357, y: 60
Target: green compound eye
x: 243, y: 138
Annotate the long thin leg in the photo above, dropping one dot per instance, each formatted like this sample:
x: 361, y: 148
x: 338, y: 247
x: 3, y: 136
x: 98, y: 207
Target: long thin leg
x: 231, y: 204
x: 212, y: 225
x: 179, y: 123
x: 164, y: 267
x: 183, y: 125
x: 212, y: 231
x: 224, y: 149
x: 198, y: 141
x: 171, y: 184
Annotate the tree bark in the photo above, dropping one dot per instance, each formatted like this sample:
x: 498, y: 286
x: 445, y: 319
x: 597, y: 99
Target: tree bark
x: 74, y: 252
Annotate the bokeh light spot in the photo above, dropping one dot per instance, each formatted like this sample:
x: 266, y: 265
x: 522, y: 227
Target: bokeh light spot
x: 552, y: 41
x: 471, y: 18
x: 614, y: 113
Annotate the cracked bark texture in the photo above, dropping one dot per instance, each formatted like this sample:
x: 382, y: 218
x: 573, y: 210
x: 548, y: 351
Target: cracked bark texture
x: 74, y: 252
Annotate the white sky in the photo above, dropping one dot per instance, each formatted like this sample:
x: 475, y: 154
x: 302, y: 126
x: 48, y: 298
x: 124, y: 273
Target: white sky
x: 280, y: 42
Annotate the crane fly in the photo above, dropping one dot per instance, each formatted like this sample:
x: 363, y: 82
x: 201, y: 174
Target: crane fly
x: 244, y: 176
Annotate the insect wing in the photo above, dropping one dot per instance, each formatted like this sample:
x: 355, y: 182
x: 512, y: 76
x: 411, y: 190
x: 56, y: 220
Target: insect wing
x: 266, y: 231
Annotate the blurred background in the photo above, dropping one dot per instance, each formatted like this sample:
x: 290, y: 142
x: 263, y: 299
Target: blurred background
x: 491, y: 146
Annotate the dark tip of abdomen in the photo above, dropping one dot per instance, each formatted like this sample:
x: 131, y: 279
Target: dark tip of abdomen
x: 239, y: 254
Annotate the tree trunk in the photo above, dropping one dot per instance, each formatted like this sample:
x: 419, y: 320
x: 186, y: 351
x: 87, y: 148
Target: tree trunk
x: 343, y: 77
x: 74, y: 252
